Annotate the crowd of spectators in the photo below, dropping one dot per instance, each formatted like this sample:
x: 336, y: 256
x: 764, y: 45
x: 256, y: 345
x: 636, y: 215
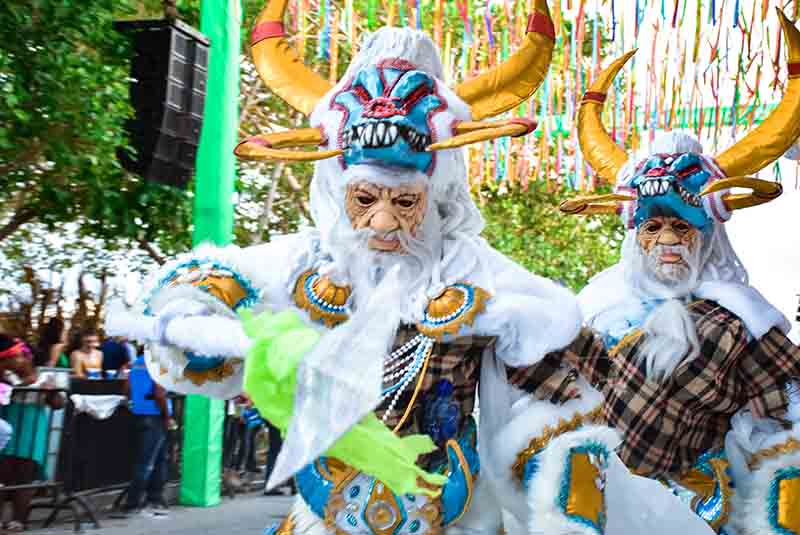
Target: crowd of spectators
x: 85, y: 356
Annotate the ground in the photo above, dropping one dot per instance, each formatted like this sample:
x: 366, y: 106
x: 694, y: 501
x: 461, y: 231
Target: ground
x: 244, y: 515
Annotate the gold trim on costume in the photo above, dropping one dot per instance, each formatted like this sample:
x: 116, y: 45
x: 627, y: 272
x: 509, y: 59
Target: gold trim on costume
x: 541, y: 441
x: 792, y: 445
x: 214, y: 375
x: 286, y: 527
x: 417, y: 388
x: 703, y: 485
x: 450, y: 305
x: 328, y: 292
x: 466, y: 470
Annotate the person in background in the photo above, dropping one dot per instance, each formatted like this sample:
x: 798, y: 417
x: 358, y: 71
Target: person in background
x: 23, y: 458
x: 86, y: 359
x: 116, y: 356
x: 275, y: 443
x: 153, y: 413
x: 51, y: 351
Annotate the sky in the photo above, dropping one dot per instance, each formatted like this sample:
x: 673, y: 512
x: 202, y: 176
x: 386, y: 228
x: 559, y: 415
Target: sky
x: 767, y: 239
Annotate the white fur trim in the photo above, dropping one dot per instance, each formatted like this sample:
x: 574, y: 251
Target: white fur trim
x: 531, y: 316
x: 122, y: 321
x: 750, y: 503
x: 530, y: 417
x: 543, y: 493
x: 758, y: 315
x: 305, y: 521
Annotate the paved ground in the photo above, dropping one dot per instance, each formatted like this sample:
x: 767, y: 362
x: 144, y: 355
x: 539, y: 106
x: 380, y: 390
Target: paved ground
x: 245, y: 515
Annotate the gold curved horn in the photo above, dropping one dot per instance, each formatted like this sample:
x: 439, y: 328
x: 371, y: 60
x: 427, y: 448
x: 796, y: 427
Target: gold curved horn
x: 516, y: 79
x: 469, y: 132
x: 278, y: 64
x: 274, y: 146
x: 594, y: 204
x: 762, y: 192
x: 605, y: 156
x: 768, y: 141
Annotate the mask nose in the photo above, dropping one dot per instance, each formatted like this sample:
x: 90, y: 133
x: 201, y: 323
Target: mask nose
x: 656, y: 172
x: 383, y: 222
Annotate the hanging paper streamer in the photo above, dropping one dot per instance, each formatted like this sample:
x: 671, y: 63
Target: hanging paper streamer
x: 372, y: 15
x: 323, y: 50
x: 701, y: 74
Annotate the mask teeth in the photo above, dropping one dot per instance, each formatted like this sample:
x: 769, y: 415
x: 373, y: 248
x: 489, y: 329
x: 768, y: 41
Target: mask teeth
x: 379, y: 134
x: 653, y: 187
x: 688, y: 197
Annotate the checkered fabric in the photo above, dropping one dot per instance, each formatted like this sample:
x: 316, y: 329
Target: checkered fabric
x: 551, y: 379
x: 458, y: 361
x: 666, y: 427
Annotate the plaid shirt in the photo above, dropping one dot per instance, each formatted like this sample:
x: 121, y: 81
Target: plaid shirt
x: 458, y: 361
x: 666, y: 427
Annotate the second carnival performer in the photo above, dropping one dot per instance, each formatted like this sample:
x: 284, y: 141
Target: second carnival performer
x: 404, y: 307
x: 693, y: 363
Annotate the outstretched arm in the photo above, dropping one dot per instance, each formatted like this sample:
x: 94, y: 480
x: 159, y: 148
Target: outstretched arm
x: 187, y: 313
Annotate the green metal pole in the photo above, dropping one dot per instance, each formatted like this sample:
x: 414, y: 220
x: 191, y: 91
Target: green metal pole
x: 220, y: 20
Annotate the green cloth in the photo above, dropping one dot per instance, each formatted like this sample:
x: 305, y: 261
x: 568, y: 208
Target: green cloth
x: 220, y: 21
x: 280, y: 341
x: 31, y: 435
x: 63, y: 361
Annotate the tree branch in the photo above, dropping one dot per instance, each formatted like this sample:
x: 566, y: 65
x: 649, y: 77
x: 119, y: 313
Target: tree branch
x: 151, y: 252
x: 23, y: 216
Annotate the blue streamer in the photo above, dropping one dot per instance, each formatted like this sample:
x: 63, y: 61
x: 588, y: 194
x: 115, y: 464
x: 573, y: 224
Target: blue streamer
x: 712, y: 12
x: 325, y: 36
x: 419, y: 16
x: 613, y: 21
x: 487, y: 17
x: 736, y: 14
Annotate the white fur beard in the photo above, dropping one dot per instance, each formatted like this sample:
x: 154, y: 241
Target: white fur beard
x: 670, y: 340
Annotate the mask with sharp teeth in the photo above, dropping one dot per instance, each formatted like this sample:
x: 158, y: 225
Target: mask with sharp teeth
x: 672, y: 183
x: 388, y: 116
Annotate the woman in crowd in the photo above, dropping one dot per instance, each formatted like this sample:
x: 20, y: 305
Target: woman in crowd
x: 86, y: 359
x: 51, y: 351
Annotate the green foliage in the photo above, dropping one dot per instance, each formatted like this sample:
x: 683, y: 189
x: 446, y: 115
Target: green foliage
x: 64, y: 88
x: 527, y: 226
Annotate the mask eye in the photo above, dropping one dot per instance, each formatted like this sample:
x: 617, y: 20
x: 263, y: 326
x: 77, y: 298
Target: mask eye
x: 651, y: 227
x: 365, y: 200
x: 681, y: 226
x: 406, y: 202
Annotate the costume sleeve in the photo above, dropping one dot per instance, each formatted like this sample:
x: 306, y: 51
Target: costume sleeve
x: 553, y: 378
x: 769, y: 364
x: 589, y: 356
x: 188, y: 312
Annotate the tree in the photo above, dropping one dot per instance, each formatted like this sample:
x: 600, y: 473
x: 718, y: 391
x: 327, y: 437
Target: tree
x: 64, y: 100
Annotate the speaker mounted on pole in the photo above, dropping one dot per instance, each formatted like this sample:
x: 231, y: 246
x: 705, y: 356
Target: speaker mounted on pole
x: 169, y: 72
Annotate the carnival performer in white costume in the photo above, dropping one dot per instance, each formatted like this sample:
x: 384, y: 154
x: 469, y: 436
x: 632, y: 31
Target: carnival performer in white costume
x: 404, y: 306
x: 693, y: 363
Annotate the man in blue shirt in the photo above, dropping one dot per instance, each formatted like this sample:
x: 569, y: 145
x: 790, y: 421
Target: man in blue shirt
x: 153, y: 414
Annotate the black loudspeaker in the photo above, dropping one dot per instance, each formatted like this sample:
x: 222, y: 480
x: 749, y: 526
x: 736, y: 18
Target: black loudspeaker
x: 169, y: 71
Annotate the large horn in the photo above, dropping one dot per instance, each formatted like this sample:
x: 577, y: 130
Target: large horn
x: 517, y: 78
x: 597, y: 146
x: 278, y: 64
x: 274, y: 146
x: 594, y: 204
x: 762, y: 191
x: 767, y: 142
x: 469, y: 132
